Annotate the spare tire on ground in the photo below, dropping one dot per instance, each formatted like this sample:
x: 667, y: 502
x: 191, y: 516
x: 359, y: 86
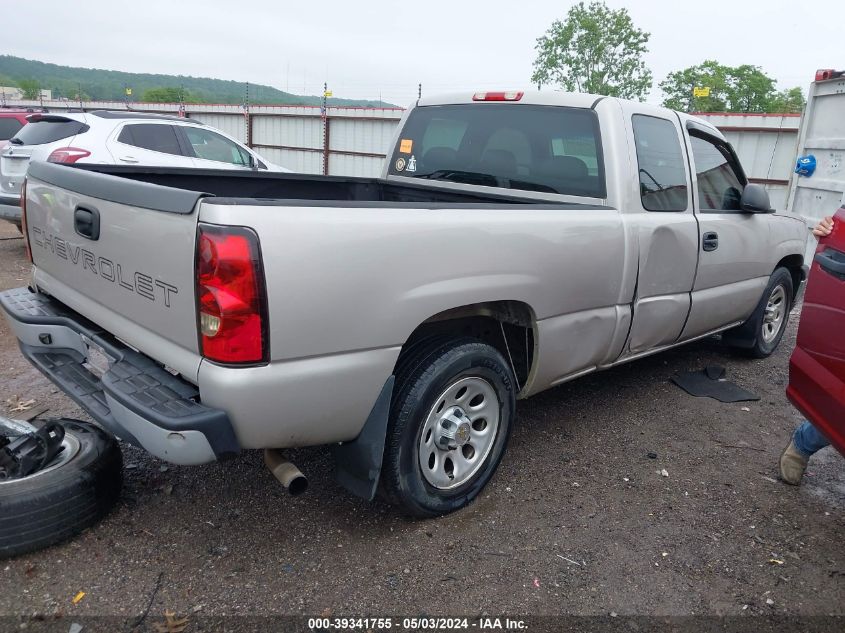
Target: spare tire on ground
x: 71, y: 493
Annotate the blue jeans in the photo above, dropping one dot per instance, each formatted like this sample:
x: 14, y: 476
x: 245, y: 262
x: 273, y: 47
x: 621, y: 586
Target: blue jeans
x: 808, y: 440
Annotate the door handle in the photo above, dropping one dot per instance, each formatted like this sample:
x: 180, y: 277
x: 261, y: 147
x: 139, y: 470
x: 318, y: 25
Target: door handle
x: 86, y: 222
x: 710, y: 241
x: 832, y: 261
x: 129, y: 159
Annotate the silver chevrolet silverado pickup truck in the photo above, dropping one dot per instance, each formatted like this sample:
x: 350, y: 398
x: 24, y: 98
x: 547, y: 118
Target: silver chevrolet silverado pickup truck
x: 515, y: 241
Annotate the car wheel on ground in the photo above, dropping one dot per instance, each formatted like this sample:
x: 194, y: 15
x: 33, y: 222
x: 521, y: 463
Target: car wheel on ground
x: 760, y: 335
x: 76, y: 489
x: 451, y: 416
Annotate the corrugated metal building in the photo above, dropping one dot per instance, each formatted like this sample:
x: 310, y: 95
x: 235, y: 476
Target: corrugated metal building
x: 766, y: 144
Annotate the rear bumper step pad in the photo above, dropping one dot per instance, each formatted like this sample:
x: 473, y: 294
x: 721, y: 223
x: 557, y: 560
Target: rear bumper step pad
x: 137, y: 399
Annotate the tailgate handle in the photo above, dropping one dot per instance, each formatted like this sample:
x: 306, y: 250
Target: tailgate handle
x: 86, y: 222
x: 832, y: 261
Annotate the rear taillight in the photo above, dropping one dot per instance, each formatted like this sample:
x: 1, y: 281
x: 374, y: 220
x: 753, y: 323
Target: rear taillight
x: 824, y: 74
x: 231, y: 298
x: 23, y: 222
x: 67, y: 155
x: 497, y: 96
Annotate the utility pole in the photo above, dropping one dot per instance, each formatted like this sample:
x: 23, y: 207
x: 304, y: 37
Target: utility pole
x: 79, y: 94
x: 325, y: 114
x: 247, y: 126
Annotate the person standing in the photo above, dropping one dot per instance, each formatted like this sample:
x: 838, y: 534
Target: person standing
x: 806, y: 439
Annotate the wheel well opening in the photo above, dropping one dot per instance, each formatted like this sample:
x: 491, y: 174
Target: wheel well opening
x: 795, y: 265
x: 507, y: 326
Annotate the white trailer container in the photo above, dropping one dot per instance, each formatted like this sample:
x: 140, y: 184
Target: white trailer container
x: 822, y: 135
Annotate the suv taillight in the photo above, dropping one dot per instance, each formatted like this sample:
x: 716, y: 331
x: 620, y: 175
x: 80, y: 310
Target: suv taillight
x: 67, y: 155
x: 23, y: 222
x: 231, y: 297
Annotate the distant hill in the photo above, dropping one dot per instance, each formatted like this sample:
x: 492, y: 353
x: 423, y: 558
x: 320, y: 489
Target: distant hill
x: 109, y: 85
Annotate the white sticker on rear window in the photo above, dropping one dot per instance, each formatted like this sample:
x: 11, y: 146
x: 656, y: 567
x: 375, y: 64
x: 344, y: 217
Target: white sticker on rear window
x: 412, y: 164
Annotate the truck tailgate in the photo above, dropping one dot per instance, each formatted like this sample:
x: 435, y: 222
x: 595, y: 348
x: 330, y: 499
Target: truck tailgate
x: 121, y: 253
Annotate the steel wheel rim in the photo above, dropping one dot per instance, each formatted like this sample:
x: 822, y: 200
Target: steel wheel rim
x: 70, y: 447
x: 774, y: 314
x: 475, y: 399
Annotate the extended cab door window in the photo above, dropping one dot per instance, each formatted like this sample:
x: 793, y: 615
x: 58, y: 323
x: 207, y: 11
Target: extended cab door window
x: 718, y: 177
x: 514, y: 146
x: 663, y: 179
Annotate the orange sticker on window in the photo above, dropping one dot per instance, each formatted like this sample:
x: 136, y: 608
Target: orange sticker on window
x: 406, y: 145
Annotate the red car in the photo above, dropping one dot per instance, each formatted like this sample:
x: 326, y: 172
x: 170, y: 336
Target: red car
x: 10, y: 122
x: 817, y: 367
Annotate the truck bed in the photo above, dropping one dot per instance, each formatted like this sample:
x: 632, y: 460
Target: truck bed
x: 275, y: 188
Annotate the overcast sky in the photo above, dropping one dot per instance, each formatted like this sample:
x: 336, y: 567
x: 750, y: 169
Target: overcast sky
x: 377, y: 48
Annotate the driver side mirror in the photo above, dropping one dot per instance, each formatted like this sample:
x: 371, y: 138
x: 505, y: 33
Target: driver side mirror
x: 755, y: 199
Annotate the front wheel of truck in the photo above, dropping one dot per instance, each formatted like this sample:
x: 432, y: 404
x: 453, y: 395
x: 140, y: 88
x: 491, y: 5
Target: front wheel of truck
x: 760, y: 335
x: 453, y: 407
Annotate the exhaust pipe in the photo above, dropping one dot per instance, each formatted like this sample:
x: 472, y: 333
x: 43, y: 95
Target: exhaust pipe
x: 283, y: 470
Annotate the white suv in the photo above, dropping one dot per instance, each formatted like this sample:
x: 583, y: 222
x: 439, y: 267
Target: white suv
x: 117, y: 138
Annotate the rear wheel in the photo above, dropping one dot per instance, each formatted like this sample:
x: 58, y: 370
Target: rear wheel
x: 451, y: 416
x: 760, y: 335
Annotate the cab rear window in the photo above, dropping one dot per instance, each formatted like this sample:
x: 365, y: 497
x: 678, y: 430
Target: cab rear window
x: 48, y: 131
x: 532, y: 148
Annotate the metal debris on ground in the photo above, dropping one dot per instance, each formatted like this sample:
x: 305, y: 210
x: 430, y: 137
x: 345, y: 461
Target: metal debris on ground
x: 569, y: 560
x: 17, y: 404
x: 172, y: 623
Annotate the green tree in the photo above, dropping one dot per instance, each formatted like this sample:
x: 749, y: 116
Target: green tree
x: 30, y: 88
x: 791, y: 100
x: 594, y: 49
x: 167, y: 95
x: 742, y: 88
x: 750, y: 89
x: 678, y: 86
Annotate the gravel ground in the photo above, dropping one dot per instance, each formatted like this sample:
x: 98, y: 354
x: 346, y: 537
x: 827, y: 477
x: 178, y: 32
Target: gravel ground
x: 578, y: 519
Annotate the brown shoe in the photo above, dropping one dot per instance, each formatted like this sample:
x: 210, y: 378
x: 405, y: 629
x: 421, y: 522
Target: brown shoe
x: 792, y: 465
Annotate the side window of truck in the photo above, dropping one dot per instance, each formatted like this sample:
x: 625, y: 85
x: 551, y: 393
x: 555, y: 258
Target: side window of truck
x: 152, y: 136
x: 663, y: 179
x: 719, y: 186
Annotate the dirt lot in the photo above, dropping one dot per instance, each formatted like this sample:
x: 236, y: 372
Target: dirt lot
x: 578, y: 519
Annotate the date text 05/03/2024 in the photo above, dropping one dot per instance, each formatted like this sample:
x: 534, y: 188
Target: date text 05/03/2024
x: 417, y: 624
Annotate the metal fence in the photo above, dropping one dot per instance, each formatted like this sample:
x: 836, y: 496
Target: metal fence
x: 355, y: 141
x: 343, y: 141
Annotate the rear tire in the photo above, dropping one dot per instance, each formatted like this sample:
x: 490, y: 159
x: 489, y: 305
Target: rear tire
x: 427, y: 478
x: 56, y: 503
x: 761, y: 334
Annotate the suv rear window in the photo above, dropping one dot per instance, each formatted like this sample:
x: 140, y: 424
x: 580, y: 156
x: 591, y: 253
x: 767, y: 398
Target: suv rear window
x: 9, y: 127
x: 534, y: 148
x: 151, y: 136
x: 49, y: 131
